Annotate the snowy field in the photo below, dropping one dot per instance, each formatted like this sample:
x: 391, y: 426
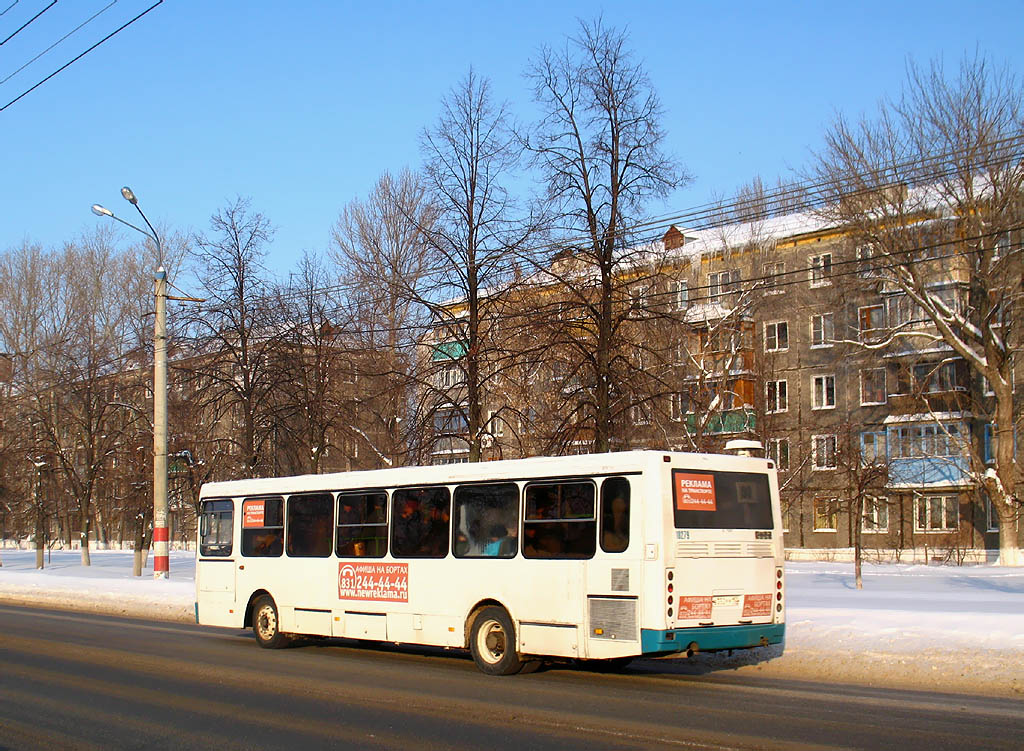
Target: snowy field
x: 940, y: 627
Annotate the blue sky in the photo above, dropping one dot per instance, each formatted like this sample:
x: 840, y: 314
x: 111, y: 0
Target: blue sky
x: 301, y: 106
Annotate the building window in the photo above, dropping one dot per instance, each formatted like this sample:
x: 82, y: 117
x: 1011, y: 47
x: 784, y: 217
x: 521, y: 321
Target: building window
x: 826, y: 511
x: 823, y: 451
x: 934, y: 378
x: 449, y: 421
x: 872, y: 386
x: 936, y: 513
x: 450, y: 376
x: 876, y: 516
x: 823, y: 392
x: 872, y: 447
x: 865, y: 264
x: 723, y: 282
x: 871, y: 322
x: 937, y: 440
x: 904, y: 312
x: 680, y: 296
x: 640, y: 414
x: 987, y: 449
x: 773, y: 274
x: 495, y: 425
x: 991, y: 516
x: 822, y: 330
x: 821, y: 270
x: 776, y: 336
x: 679, y: 407
x: 637, y: 301
x: 776, y: 396
x: 778, y: 452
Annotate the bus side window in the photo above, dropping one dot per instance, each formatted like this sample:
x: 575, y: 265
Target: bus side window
x: 310, y: 518
x: 216, y: 528
x: 486, y: 521
x: 362, y: 525
x: 419, y: 522
x: 559, y: 521
x: 615, y: 515
x: 263, y: 527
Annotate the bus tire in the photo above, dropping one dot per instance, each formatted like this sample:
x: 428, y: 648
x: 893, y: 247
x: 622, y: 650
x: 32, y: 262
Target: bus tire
x: 492, y: 641
x: 265, y: 624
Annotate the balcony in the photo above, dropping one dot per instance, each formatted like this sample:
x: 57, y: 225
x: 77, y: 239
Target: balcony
x: 733, y: 421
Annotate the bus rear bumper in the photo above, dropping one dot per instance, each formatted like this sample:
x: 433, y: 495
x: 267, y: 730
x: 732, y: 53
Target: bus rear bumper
x: 711, y: 638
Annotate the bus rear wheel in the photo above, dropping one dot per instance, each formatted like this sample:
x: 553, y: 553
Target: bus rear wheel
x: 265, y: 625
x: 492, y: 641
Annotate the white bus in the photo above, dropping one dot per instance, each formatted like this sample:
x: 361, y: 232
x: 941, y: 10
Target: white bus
x: 599, y: 557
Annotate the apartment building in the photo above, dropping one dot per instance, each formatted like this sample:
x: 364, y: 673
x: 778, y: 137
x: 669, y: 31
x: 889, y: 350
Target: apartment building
x: 789, y: 331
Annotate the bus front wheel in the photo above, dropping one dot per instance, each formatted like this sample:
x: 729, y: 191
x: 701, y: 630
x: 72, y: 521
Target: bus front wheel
x: 265, y: 624
x: 493, y: 642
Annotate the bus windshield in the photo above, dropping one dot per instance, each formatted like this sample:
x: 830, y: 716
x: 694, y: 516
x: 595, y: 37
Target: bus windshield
x: 721, y: 500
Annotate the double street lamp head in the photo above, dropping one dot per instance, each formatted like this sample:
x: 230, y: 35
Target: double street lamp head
x: 129, y: 196
x: 100, y: 211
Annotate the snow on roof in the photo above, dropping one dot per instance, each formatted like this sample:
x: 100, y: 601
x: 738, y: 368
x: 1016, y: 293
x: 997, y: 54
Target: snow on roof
x: 927, y: 417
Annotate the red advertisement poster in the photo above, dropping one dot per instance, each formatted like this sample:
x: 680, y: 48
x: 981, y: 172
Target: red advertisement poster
x: 694, y: 607
x: 381, y: 582
x: 693, y: 492
x: 757, y: 605
x: 253, y: 514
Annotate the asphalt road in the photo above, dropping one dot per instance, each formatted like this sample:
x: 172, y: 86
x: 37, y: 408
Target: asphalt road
x: 70, y: 680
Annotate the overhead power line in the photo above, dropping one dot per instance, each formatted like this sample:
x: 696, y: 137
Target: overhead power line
x: 85, y: 22
x: 847, y: 268
x: 81, y: 55
x: 27, y: 23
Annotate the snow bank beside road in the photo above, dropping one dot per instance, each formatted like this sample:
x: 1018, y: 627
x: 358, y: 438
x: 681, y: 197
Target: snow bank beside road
x: 107, y: 586
x: 941, y: 627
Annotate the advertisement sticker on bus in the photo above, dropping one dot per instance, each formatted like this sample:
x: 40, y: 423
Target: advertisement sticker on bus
x: 695, y: 607
x: 380, y: 582
x: 253, y: 514
x: 693, y: 491
x: 757, y: 605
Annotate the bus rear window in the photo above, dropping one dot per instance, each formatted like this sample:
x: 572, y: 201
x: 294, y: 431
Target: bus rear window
x: 721, y: 500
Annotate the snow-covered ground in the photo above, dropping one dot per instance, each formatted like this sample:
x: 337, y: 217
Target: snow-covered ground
x: 941, y: 627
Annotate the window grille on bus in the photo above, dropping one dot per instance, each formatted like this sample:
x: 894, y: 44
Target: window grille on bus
x: 620, y: 580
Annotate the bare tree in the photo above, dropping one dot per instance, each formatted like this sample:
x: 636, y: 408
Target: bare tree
x: 380, y: 250
x: 476, y: 231
x: 236, y: 334
x: 69, y: 316
x: 598, y: 146
x: 932, y: 190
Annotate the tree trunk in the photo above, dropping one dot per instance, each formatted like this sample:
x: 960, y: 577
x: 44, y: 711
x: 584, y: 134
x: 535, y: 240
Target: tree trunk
x: 83, y: 535
x: 857, y: 543
x: 1009, y: 551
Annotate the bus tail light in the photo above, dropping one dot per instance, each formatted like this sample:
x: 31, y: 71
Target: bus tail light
x: 778, y: 590
x: 669, y: 589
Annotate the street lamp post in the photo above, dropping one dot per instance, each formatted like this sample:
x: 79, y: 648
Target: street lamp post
x: 161, y: 559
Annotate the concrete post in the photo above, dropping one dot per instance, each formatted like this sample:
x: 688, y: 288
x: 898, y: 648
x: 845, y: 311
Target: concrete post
x: 161, y: 567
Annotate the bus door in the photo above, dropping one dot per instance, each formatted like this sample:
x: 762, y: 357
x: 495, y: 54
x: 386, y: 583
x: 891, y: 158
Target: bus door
x: 215, y: 565
x: 559, y: 540
x: 613, y: 575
